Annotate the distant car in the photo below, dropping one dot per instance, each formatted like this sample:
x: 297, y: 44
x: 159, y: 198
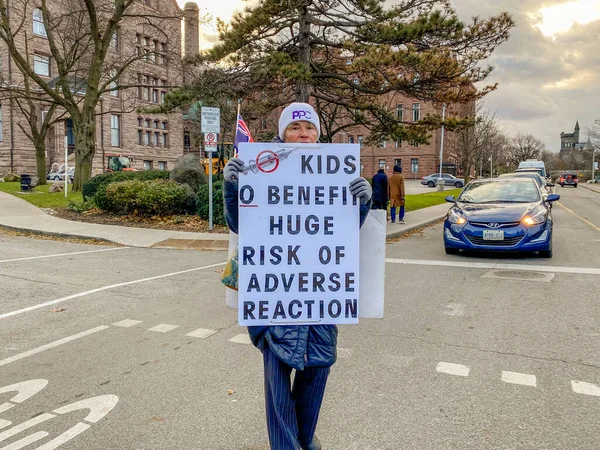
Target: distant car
x: 500, y: 214
x: 449, y: 180
x: 568, y: 179
x: 57, y: 176
x: 544, y: 185
x: 531, y: 164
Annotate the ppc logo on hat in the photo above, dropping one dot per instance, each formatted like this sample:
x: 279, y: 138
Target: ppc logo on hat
x: 301, y: 115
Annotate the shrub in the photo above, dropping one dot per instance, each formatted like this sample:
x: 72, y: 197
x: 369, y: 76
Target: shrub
x: 92, y: 186
x: 11, y: 177
x: 218, y: 209
x: 146, y: 197
x: 188, y: 170
x: 81, y: 207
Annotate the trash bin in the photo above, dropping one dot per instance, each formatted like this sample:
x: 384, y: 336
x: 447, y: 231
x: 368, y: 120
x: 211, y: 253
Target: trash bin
x: 25, y: 182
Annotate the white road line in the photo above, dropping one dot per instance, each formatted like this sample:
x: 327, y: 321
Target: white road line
x: 201, y: 333
x: 581, y: 387
x: 454, y: 309
x: 476, y: 265
x: 241, y: 339
x: 163, y: 328
x: 51, y: 345
x: 126, y: 323
x: 519, y: 378
x: 4, y: 423
x: 63, y: 254
x: 66, y: 436
x: 104, y: 288
x: 453, y: 369
x: 25, y: 426
x: 21, y: 443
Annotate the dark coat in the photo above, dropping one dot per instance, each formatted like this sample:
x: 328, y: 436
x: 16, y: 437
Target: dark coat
x: 380, y: 187
x: 298, y: 346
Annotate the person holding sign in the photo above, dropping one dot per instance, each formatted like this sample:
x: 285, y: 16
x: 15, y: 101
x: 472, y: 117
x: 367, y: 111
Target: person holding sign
x: 293, y: 410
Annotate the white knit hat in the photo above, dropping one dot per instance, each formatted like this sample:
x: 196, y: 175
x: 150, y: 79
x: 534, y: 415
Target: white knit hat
x: 297, y: 112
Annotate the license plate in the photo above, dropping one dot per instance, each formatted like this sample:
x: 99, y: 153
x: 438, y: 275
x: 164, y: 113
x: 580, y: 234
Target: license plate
x: 493, y: 235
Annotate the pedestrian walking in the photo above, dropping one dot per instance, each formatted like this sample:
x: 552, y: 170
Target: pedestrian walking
x: 310, y: 350
x: 396, y: 194
x: 380, y: 190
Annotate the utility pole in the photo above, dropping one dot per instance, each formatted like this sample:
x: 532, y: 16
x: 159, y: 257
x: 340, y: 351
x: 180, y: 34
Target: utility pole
x: 440, y: 182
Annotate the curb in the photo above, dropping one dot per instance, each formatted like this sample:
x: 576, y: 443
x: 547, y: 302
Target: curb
x: 595, y: 191
x: 415, y: 227
x: 61, y: 235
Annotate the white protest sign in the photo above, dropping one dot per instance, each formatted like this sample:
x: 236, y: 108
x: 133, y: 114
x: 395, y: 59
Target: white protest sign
x: 298, y: 243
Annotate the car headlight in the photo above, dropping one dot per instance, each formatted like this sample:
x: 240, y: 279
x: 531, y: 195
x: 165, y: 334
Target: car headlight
x: 535, y: 218
x: 454, y: 217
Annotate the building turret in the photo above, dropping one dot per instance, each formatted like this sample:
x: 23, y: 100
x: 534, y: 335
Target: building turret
x: 191, y: 17
x: 577, y: 132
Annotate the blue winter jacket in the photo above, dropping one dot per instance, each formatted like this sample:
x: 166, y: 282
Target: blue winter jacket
x: 298, y: 346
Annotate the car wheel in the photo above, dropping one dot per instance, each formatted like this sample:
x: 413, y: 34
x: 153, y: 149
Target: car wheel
x: 56, y: 178
x: 430, y: 184
x: 546, y: 253
x: 451, y: 251
x: 458, y: 184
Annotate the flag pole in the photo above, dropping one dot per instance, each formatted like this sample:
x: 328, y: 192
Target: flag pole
x: 236, y: 122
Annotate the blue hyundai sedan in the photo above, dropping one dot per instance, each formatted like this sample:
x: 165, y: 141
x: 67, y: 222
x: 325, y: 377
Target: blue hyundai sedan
x: 501, y: 214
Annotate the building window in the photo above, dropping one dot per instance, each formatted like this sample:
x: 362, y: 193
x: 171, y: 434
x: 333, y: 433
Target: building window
x: 360, y: 138
x: 382, y: 163
x: 140, y: 122
x: 263, y: 124
x: 147, y: 123
x: 382, y: 144
x: 147, y: 165
x: 41, y: 65
x: 162, y: 97
x: 157, y: 124
x: 414, y: 144
x: 399, y: 143
x: 398, y: 162
x: 350, y: 139
x: 114, y: 91
x: 399, y: 112
x: 38, y: 23
x: 115, y: 130
x: 165, y: 125
x: 414, y: 165
x: 162, y: 165
x: 148, y: 138
x: 114, y: 42
x: 165, y: 140
x: 140, y: 137
x: 154, y: 96
x: 416, y: 110
x: 156, y: 139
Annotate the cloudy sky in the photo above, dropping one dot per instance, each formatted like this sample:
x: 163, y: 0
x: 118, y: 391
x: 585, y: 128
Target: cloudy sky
x: 548, y: 72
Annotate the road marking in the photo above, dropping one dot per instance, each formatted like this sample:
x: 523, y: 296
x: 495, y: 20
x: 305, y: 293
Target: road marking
x: 581, y: 387
x: 24, y: 390
x: 63, y: 254
x: 519, y: 378
x: 21, y: 443
x: 4, y: 423
x: 578, y: 216
x: 126, y: 323
x: 201, y: 333
x: 453, y: 369
x: 66, y: 436
x: 25, y: 426
x: 241, y: 339
x: 478, y: 265
x: 454, y: 309
x: 163, y: 328
x: 104, y: 288
x: 51, y: 345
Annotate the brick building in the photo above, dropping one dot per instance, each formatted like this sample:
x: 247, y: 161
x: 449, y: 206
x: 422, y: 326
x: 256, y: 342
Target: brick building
x: 151, y: 36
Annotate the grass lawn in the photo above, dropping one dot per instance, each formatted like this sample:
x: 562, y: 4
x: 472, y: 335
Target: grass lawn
x: 418, y: 201
x: 40, y: 197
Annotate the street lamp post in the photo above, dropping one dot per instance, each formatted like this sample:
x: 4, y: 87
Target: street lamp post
x: 440, y: 182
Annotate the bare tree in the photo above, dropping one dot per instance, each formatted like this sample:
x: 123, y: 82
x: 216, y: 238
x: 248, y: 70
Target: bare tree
x: 525, y: 146
x: 81, y: 37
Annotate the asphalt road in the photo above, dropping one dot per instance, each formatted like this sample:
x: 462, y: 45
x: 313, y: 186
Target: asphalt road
x: 123, y: 348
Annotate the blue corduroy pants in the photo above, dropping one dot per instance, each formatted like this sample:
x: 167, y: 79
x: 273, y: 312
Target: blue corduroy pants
x: 292, y: 410
x: 393, y: 213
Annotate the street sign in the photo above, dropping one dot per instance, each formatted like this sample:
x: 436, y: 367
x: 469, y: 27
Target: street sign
x: 210, y: 137
x: 210, y: 147
x: 211, y: 120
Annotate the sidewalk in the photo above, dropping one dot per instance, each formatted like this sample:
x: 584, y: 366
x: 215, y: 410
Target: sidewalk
x: 17, y: 214
x: 591, y: 186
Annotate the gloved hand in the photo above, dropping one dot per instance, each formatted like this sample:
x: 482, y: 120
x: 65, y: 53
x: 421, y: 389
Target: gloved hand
x: 232, y: 169
x: 361, y: 189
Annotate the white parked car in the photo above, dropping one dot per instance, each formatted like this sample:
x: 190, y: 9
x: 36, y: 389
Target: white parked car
x: 449, y: 180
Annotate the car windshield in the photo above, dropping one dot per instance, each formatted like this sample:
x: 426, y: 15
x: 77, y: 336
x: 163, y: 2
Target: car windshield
x: 500, y: 192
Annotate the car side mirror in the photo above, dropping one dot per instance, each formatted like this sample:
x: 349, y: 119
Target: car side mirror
x: 553, y: 198
x: 450, y: 199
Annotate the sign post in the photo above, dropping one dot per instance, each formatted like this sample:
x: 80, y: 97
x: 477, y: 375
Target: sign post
x: 211, y: 127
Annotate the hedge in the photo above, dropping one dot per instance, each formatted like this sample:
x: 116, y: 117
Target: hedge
x: 91, y: 186
x: 146, y: 197
x: 218, y: 209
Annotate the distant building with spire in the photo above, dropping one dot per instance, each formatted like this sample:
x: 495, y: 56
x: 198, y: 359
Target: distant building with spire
x: 570, y: 142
